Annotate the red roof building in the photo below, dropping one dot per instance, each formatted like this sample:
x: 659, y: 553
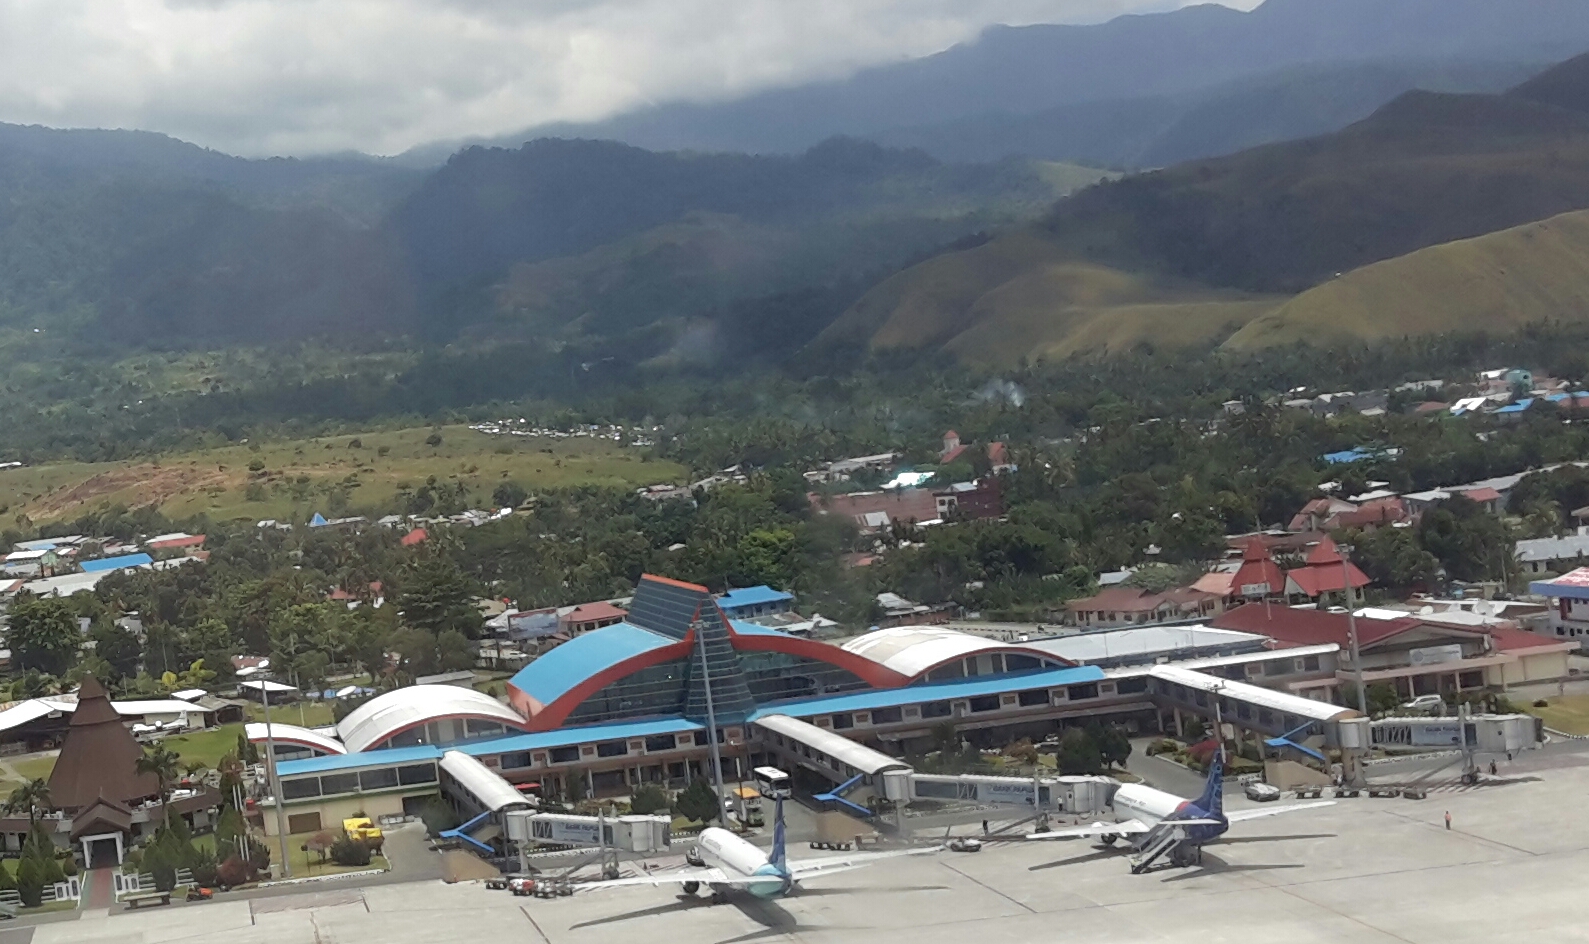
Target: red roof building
x: 416, y: 536
x: 589, y: 616
x: 951, y: 448
x: 1326, y: 572
x: 1259, y: 575
x: 1133, y: 606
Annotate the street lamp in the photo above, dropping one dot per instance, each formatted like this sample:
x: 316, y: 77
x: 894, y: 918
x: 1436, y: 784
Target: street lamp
x: 1351, y: 632
x: 262, y: 671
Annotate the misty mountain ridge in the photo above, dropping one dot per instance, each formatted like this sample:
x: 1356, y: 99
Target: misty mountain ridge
x: 1013, y: 71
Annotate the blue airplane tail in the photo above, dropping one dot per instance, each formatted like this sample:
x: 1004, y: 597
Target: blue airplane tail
x: 779, y: 858
x: 1212, y: 801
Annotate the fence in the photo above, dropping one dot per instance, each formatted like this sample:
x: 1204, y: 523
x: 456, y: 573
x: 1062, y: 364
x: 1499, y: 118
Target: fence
x: 127, y: 883
x: 69, y: 890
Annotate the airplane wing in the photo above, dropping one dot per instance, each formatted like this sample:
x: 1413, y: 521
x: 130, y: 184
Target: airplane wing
x: 679, y: 877
x: 830, y: 865
x: 1241, y: 816
x: 1130, y: 827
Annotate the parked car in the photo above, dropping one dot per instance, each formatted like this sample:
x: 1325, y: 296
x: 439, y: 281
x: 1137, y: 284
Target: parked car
x: 1262, y: 792
x: 1425, y: 703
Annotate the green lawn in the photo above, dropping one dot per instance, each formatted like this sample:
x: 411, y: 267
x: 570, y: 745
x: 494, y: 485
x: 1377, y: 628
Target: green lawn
x: 298, y: 476
x: 207, y: 746
x: 306, y: 864
x: 309, y: 714
x: 1568, y: 714
x: 34, y: 768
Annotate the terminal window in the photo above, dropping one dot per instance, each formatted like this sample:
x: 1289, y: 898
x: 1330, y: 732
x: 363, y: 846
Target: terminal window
x: 842, y: 721
x: 985, y: 703
x: 936, y: 709
x: 660, y: 742
x: 612, y: 748
x: 564, y: 755
x: 1033, y: 697
x: 887, y: 715
x: 1131, y: 686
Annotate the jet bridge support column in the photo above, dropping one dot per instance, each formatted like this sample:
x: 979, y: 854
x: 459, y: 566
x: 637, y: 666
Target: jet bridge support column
x: 1354, y: 738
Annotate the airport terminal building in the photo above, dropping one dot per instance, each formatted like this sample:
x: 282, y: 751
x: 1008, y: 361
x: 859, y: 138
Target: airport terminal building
x: 627, y: 704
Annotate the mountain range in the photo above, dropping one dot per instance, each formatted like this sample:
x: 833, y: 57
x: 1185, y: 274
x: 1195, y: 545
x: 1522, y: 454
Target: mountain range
x: 1219, y: 247
x: 1108, y: 92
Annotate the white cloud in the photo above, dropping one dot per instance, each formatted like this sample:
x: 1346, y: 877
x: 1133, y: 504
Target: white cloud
x: 307, y: 76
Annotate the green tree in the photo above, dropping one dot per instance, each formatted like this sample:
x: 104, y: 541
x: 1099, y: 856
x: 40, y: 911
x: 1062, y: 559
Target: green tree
x: 43, y: 634
x: 1114, y: 746
x: 648, y: 798
x: 1078, y: 753
x: 31, y: 798
x: 118, y: 647
x: 30, y: 882
x: 164, y: 763
x: 454, y: 651
x: 509, y: 495
x: 697, y: 802
x: 436, y: 597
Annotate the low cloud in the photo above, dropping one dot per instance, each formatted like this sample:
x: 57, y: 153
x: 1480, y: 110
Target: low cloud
x: 261, y: 77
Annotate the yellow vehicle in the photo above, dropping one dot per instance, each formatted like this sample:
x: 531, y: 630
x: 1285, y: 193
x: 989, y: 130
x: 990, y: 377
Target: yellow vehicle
x: 363, y: 829
x: 745, y: 803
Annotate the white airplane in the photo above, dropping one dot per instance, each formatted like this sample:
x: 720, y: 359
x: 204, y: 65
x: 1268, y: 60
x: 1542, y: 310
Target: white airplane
x: 732, y: 864
x: 1162, y: 823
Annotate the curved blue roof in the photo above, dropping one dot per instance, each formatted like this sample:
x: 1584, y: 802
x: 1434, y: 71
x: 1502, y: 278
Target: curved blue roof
x: 552, y: 675
x: 115, y: 563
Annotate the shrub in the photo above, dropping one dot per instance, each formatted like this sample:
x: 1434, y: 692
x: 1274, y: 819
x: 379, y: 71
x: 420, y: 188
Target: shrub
x: 349, y: 851
x: 433, y: 440
x: 648, y: 798
x: 697, y: 802
x: 159, y: 862
x: 205, y: 869
x: 438, y: 817
x: 7, y: 880
x: 50, y: 870
x: 258, y: 855
x: 69, y: 866
x: 133, y: 860
x: 30, y: 883
x: 1541, y: 703
x: 235, y: 871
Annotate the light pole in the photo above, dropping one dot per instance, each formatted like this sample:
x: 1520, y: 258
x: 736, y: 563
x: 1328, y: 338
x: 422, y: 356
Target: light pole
x: 1351, y: 634
x: 711, y: 725
x: 263, y: 674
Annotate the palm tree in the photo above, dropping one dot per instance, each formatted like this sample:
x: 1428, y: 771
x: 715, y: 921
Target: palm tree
x: 165, y: 764
x: 32, y: 796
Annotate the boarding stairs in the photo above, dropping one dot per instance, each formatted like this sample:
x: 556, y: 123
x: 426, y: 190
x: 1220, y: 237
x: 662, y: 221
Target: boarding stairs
x: 1157, y: 845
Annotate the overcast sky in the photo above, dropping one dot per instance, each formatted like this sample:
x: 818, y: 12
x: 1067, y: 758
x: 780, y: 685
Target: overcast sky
x: 260, y: 77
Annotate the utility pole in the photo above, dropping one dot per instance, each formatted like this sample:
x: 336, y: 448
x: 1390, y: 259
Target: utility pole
x: 270, y: 771
x: 711, y: 724
x: 1351, y: 632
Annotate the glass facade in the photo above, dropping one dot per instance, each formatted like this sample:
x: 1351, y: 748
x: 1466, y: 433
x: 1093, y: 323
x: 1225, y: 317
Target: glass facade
x: 661, y: 689
x: 658, y: 690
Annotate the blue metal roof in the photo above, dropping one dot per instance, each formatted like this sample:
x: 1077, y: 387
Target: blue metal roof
x: 933, y: 691
x: 555, y: 673
x: 752, y: 596
x: 587, y: 734
x: 563, y: 737
x: 115, y: 563
x: 393, y: 755
x: 1574, y: 589
x: 1517, y: 407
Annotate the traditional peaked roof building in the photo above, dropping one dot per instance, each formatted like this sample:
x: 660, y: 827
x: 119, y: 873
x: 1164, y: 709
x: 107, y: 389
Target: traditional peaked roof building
x: 1325, y: 571
x: 1259, y: 575
x: 99, y: 759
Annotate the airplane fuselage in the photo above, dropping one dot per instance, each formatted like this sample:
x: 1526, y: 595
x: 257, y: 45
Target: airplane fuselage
x: 718, y: 848
x: 1152, y: 807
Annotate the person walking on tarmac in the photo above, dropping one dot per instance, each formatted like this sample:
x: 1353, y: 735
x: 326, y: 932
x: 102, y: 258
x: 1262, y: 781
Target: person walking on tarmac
x: 1448, y: 820
x: 1492, y: 767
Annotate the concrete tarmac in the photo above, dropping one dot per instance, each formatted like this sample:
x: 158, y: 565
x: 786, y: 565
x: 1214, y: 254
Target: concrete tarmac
x: 1365, y: 870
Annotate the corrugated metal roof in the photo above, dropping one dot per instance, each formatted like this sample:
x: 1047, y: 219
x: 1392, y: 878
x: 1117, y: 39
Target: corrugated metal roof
x: 1253, y: 694
x: 836, y: 746
x: 588, y: 734
x: 488, y: 787
x: 381, y: 717
x: 1143, y: 641
x: 752, y: 596
x: 115, y: 563
x: 293, y: 734
x: 1550, y: 549
x: 935, y: 691
x: 912, y: 650
x: 358, y: 761
x: 555, y: 673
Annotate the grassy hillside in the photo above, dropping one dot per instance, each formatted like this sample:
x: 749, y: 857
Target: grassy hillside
x: 1499, y: 282
x: 304, y: 476
x: 1022, y: 296
x: 1197, y: 251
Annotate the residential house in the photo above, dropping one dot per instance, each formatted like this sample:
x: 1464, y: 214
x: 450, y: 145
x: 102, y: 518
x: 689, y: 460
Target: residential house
x: 1133, y: 606
x: 1556, y: 555
x: 751, y: 602
x: 588, y: 616
x: 1413, y: 655
x: 1326, y: 574
x: 898, y: 611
